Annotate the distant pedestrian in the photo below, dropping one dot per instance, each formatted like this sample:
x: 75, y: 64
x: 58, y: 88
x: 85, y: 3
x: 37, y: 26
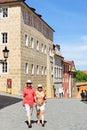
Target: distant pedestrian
x: 82, y: 95
x: 40, y: 100
x: 85, y: 95
x: 28, y: 100
x: 61, y: 92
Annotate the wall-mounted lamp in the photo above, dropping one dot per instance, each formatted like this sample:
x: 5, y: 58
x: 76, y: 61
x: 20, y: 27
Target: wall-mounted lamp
x: 5, y: 54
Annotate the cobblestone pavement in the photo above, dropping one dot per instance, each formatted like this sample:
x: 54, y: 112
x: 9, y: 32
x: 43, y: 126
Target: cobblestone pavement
x: 61, y: 114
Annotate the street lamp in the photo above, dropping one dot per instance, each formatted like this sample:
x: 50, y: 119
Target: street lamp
x: 5, y: 54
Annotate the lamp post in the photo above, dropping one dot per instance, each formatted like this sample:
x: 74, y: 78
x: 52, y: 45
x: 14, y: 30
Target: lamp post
x: 5, y: 55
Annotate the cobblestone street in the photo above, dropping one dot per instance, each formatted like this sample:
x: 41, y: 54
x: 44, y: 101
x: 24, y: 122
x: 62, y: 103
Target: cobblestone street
x: 61, y: 114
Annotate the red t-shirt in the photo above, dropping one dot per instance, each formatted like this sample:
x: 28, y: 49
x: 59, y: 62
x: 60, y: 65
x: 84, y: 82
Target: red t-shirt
x: 28, y: 94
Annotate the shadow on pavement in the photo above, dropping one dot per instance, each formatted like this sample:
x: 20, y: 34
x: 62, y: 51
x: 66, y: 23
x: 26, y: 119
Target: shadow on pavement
x: 7, y: 101
x: 34, y: 121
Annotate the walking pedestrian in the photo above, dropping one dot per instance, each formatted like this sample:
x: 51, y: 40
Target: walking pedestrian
x: 28, y: 100
x: 82, y: 95
x: 40, y: 99
x: 85, y: 95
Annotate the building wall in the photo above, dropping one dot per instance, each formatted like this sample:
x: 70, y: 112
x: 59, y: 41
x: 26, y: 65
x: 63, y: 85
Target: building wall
x: 66, y: 79
x: 11, y: 25
x: 58, y: 79
x: 20, y: 54
x: 34, y: 56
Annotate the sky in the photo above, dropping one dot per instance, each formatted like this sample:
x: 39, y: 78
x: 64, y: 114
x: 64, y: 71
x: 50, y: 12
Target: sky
x: 69, y: 20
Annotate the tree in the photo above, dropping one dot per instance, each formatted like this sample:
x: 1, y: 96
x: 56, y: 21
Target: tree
x: 81, y: 76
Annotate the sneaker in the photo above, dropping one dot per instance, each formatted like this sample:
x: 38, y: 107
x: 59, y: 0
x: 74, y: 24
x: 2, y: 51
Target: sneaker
x: 30, y: 126
x: 43, y: 124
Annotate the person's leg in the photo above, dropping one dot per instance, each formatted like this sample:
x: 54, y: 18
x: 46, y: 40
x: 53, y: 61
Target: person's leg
x: 42, y: 112
x: 31, y: 111
x: 42, y: 116
x: 38, y: 114
x: 28, y: 110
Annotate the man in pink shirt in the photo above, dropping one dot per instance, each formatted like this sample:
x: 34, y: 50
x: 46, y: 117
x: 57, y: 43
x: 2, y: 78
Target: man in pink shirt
x: 28, y: 100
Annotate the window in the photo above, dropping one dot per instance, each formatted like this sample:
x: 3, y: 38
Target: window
x: 4, y: 37
x: 60, y: 73
x: 51, y: 36
x: 55, y: 72
x: 4, y: 68
x: 42, y: 70
x: 4, y: 12
x: 45, y: 49
x: 45, y: 71
x: 52, y: 70
x: 32, y: 69
x: 32, y: 42
x: 37, y: 24
x: 0, y: 12
x: 37, y: 45
x: 31, y: 20
x: 37, y: 69
x: 26, y: 68
x: 42, y: 29
x: 26, y: 39
x: 42, y: 48
x: 25, y: 16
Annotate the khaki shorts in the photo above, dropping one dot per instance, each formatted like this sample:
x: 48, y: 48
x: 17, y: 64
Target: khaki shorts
x: 42, y: 107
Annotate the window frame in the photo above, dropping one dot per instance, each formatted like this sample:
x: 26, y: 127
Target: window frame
x: 42, y: 47
x: 26, y: 40
x: 42, y: 70
x: 38, y: 46
x: 26, y: 68
x: 32, y: 69
x: 37, y: 70
x: 4, y: 38
x: 4, y: 12
x: 4, y: 68
x: 32, y: 42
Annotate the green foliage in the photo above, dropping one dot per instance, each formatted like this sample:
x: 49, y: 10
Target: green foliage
x: 81, y: 76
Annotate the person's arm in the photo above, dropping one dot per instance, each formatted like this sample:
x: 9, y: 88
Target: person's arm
x: 23, y: 97
x: 35, y: 98
x: 44, y: 97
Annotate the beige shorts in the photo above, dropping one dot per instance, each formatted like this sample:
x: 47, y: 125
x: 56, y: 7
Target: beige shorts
x: 42, y: 107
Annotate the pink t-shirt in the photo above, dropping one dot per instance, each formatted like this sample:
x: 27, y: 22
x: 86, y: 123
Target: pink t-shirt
x: 28, y: 94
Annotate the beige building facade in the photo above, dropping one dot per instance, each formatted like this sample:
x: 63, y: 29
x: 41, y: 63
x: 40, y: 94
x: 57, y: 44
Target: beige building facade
x: 30, y: 42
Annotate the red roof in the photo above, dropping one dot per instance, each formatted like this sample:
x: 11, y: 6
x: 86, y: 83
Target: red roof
x: 85, y: 71
x: 70, y: 63
x: 3, y: 1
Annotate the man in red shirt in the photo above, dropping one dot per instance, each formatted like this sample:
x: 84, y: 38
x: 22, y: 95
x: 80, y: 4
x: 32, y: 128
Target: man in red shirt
x: 28, y: 100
